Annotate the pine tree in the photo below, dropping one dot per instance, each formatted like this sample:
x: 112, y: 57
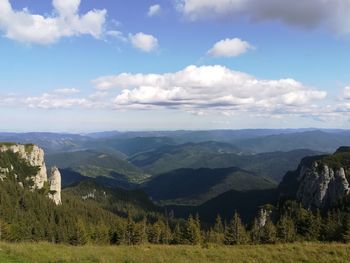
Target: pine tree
x: 316, y: 225
x: 286, y: 230
x: 154, y: 233
x: 129, y: 231
x: 4, y: 229
x: 177, y: 235
x: 165, y: 233
x: 101, y: 233
x: 256, y: 232
x: 268, y: 233
x: 346, y: 229
x: 79, y: 235
x: 218, y: 227
x: 193, y: 232
x: 216, y: 234
x: 235, y: 233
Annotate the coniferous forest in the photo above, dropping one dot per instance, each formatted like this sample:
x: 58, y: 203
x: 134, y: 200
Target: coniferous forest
x: 27, y: 215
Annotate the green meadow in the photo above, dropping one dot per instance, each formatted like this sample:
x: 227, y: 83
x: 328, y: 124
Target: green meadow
x: 298, y: 252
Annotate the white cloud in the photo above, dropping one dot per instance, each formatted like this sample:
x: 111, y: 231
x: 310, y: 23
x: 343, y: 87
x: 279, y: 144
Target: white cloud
x: 116, y: 34
x: 51, y: 101
x: 229, y: 48
x: 144, y: 42
x: 333, y: 14
x: 26, y: 27
x: 209, y: 88
x: 346, y: 93
x: 67, y: 91
x: 154, y: 10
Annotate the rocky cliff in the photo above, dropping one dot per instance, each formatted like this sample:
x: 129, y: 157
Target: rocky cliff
x: 55, y: 185
x: 34, y: 156
x: 319, y: 181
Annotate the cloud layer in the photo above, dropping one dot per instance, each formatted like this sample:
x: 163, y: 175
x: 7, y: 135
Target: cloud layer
x: 65, y: 21
x: 208, y: 88
x: 332, y: 14
x: 201, y: 90
x: 229, y: 48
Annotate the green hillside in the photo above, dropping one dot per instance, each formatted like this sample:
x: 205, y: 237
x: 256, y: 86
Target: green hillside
x: 175, y: 157
x: 219, y: 155
x: 95, y: 164
x: 195, y: 186
x: 119, y: 201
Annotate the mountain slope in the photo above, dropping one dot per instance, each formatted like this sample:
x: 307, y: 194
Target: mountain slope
x: 219, y: 155
x: 195, y: 186
x: 119, y: 201
x: 95, y: 164
x: 246, y: 203
x: 174, y: 157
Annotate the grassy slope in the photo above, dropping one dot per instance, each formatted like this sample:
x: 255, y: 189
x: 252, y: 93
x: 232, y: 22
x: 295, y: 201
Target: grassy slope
x: 303, y: 252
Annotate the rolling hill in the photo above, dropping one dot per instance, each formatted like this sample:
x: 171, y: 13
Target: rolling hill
x: 112, y: 168
x: 196, y: 186
x: 219, y: 155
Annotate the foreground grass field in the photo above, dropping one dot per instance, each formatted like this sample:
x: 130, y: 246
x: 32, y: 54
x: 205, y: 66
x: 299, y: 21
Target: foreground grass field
x: 300, y: 252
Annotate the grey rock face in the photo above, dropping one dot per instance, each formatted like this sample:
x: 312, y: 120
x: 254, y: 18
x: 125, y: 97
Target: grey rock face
x: 321, y: 186
x: 35, y: 157
x: 55, y: 186
x: 263, y: 216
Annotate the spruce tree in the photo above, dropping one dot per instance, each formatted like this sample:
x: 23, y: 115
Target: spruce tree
x: 193, y: 232
x: 286, y: 230
x: 268, y: 232
x: 235, y: 233
x: 346, y: 229
x: 79, y: 236
x: 216, y: 234
x: 218, y: 227
x: 177, y: 236
x: 256, y: 232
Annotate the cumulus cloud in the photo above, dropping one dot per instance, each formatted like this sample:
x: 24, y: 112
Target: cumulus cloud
x: 229, y: 48
x: 208, y: 88
x: 332, y: 14
x: 345, y: 93
x: 154, y: 10
x: 144, y: 42
x: 65, y: 21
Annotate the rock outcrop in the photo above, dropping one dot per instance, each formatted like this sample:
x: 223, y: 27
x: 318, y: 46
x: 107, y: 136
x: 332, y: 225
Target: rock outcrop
x: 55, y: 185
x: 322, y: 186
x: 320, y: 181
x: 35, y: 157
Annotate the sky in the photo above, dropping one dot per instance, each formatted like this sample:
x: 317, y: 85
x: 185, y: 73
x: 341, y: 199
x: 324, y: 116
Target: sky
x: 84, y: 65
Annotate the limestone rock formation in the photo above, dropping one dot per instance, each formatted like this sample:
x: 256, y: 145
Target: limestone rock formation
x: 321, y: 186
x: 35, y: 157
x: 55, y: 186
x: 320, y: 181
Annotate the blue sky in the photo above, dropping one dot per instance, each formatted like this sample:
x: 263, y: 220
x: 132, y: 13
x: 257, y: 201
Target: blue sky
x: 143, y: 65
